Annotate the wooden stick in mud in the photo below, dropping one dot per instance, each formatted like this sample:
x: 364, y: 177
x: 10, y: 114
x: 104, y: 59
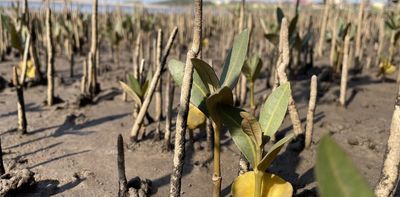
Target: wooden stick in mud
x: 310, y: 112
x: 333, y: 41
x: 169, y: 100
x: 22, y: 123
x: 50, y: 58
x: 359, y: 29
x: 25, y: 61
x: 345, y: 66
x: 84, y: 77
x: 324, y: 21
x: 381, y: 38
x: 146, y: 103
x: 136, y: 60
x: 70, y: 54
x: 158, y: 91
x: 181, y: 122
x: 2, y: 44
x: 122, y: 182
x: 2, y: 169
x: 283, y: 62
x: 92, y: 85
x: 390, y: 171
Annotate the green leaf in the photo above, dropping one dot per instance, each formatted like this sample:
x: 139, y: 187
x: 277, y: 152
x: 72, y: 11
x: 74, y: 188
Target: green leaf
x: 235, y: 59
x: 252, y: 68
x: 145, y: 87
x: 131, y: 93
x: 16, y: 40
x: 207, y: 74
x: 223, y: 96
x: 231, y: 118
x: 306, y: 39
x: 273, y: 152
x: 396, y: 37
x: 199, y: 91
x: 390, y: 23
x: 252, y: 128
x: 292, y: 25
x: 273, y: 38
x: 274, y: 109
x: 343, y: 31
x: 336, y: 175
x: 135, y: 85
x: 279, y: 15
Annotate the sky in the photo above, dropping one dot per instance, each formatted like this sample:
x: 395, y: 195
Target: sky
x: 152, y: 1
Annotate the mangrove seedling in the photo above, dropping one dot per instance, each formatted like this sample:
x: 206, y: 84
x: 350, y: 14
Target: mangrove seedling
x: 250, y: 136
x: 393, y: 23
x: 209, y: 91
x: 136, y: 90
x: 251, y: 69
x: 152, y: 86
x: 385, y: 69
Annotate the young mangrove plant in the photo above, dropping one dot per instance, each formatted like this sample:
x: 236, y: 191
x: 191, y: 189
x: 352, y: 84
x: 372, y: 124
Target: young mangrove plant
x: 296, y: 41
x: 393, y: 23
x: 209, y: 91
x: 250, y: 136
x: 251, y: 69
x: 152, y: 86
x: 196, y: 118
x: 136, y: 89
x: 385, y: 69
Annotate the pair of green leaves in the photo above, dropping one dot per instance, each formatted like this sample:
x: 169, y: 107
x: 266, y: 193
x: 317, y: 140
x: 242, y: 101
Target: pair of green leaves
x: 336, y: 175
x: 295, y: 40
x: 393, y: 21
x: 208, y: 89
x: 15, y: 36
x: 252, y: 68
x: 250, y: 135
x: 135, y: 89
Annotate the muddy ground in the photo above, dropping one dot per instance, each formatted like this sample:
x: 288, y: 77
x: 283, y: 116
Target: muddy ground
x: 73, y: 150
